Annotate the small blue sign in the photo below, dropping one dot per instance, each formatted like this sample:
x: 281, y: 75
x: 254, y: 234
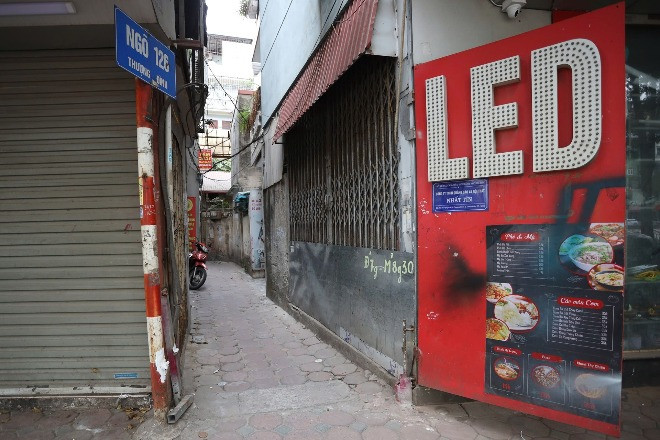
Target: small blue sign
x: 126, y: 375
x: 142, y: 55
x: 460, y: 196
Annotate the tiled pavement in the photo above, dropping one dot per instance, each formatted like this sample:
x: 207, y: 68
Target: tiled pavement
x: 258, y: 374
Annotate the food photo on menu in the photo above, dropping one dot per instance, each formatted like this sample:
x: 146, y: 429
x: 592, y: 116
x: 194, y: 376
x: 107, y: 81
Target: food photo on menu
x: 554, y: 313
x: 597, y: 255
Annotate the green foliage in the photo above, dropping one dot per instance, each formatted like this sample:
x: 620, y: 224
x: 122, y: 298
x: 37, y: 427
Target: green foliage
x: 244, y: 120
x: 221, y: 164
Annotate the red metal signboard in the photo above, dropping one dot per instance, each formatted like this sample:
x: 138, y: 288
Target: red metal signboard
x: 506, y: 290
x: 191, y: 210
x: 205, y: 160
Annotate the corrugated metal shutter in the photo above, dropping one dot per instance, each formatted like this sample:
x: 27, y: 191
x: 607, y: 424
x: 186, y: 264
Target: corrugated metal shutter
x: 71, y: 283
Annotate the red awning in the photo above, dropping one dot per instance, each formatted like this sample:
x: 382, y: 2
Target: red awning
x: 349, y: 38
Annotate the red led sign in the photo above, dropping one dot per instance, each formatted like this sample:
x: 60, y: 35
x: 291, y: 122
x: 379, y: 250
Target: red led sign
x: 514, y: 289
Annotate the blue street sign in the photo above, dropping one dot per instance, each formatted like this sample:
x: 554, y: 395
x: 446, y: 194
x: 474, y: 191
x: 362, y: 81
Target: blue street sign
x: 460, y: 196
x: 142, y: 55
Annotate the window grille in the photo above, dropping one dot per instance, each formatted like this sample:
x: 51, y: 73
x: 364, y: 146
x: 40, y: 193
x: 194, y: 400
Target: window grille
x: 342, y: 160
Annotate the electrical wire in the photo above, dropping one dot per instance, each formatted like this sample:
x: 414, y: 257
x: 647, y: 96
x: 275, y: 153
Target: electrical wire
x: 238, y: 111
x: 495, y: 4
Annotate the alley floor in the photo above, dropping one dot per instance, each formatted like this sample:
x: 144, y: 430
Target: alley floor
x: 256, y: 373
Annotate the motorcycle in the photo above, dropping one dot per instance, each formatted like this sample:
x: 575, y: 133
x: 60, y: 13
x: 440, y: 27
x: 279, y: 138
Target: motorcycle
x: 197, y: 265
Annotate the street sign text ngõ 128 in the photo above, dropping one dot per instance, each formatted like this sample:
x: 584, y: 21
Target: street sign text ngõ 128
x: 141, y: 54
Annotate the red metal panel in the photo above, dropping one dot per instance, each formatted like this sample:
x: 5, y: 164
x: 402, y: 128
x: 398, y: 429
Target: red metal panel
x: 452, y: 246
x: 349, y: 38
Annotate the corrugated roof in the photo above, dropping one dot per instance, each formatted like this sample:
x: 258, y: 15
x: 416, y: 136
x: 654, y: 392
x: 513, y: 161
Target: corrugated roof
x: 216, y: 182
x: 350, y: 38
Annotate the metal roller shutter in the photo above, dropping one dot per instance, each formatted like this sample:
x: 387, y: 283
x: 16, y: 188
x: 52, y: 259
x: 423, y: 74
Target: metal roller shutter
x: 71, y: 283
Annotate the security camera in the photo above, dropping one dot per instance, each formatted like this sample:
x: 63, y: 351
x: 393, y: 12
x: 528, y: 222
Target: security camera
x: 513, y: 7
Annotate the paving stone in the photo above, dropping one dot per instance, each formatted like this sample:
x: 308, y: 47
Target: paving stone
x: 18, y: 419
x: 344, y: 369
x: 230, y: 424
x: 303, y: 359
x: 114, y: 434
x: 78, y: 435
x: 228, y: 350
x: 207, y: 380
x: 301, y: 420
x: 312, y: 366
x: 237, y: 387
x: 492, y: 428
x: 283, y: 430
x: 266, y: 421
x: 207, y: 352
x: 262, y: 374
x: 229, y: 358
x: 306, y: 434
x: 559, y: 435
x: 342, y: 433
x: 359, y: 426
x: 631, y: 436
x: 528, y: 426
x: 296, y: 379
x: 92, y: 419
x: 456, y: 430
x: 416, y: 432
x: 355, y: 378
x: 373, y: 418
x: 322, y: 427
x: 336, y: 418
x: 234, y: 366
x: 379, y: 433
x: 225, y: 436
x: 52, y: 420
x: 639, y: 420
x: 480, y: 409
x: 652, y: 433
x: 245, y: 430
x: 252, y: 357
x: 311, y: 341
x: 234, y: 376
x: 334, y: 361
x: 301, y: 351
x: 320, y: 376
x: 257, y: 365
x: 369, y: 388
x: 326, y: 352
x: 293, y: 344
x: 261, y: 384
x: 393, y: 425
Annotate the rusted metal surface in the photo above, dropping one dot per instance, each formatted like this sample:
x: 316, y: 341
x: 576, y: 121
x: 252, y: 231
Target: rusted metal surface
x: 342, y: 161
x: 343, y: 45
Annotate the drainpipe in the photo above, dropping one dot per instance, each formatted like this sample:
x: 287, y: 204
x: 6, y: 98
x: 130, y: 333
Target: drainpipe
x: 149, y: 234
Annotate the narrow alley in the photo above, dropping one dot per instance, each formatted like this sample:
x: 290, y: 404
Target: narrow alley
x: 256, y: 373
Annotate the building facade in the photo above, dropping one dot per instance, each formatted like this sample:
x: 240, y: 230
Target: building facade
x: 375, y: 221
x: 72, y: 282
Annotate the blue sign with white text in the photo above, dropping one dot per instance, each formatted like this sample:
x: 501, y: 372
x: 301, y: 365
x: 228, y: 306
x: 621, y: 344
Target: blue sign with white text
x: 142, y: 55
x: 460, y: 196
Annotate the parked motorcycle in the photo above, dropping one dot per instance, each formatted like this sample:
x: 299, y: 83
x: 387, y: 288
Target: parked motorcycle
x: 197, y: 265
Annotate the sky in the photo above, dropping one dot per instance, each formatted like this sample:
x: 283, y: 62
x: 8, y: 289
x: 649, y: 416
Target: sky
x: 223, y: 18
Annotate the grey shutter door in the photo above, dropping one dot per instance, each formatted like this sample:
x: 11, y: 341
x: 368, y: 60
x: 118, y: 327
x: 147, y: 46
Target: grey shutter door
x: 71, y: 281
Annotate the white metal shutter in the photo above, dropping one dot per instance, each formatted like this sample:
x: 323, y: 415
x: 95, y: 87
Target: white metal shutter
x: 71, y: 282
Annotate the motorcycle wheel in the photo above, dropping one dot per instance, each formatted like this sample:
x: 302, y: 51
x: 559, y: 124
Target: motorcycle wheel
x: 197, y: 278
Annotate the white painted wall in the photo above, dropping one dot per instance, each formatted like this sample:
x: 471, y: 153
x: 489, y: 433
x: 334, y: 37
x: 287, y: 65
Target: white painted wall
x: 445, y: 27
x: 283, y: 58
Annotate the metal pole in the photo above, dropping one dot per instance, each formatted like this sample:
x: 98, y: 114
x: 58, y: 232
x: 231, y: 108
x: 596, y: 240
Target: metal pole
x: 149, y: 233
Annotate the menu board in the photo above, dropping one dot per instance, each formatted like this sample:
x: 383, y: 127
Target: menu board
x: 554, y: 316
